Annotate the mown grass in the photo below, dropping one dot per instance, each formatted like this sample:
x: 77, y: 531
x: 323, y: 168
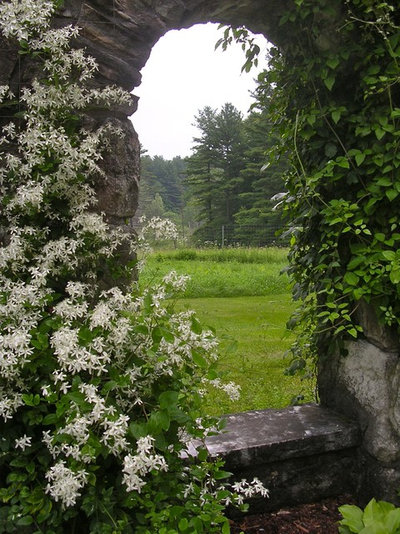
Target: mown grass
x: 243, y: 295
x: 253, y: 342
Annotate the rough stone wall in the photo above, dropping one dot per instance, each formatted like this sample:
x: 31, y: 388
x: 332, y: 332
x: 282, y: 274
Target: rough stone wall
x: 121, y: 33
x: 365, y: 385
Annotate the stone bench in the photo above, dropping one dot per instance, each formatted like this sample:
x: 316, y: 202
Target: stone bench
x: 301, y: 454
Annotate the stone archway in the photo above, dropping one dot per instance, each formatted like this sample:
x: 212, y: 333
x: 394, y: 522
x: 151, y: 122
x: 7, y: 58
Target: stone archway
x: 120, y: 35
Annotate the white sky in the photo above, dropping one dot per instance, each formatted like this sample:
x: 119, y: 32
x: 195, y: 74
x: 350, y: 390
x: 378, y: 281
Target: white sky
x: 182, y: 75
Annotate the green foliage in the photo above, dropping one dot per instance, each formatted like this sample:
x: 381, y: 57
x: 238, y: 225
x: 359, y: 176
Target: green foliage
x: 241, y: 35
x: 377, y: 518
x: 163, y: 193
x: 259, y: 182
x: 333, y: 93
x: 164, y: 178
x: 213, y: 169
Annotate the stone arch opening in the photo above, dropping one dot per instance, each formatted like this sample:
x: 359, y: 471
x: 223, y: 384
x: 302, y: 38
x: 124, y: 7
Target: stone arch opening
x: 183, y: 75
x: 120, y: 35
x: 191, y: 74
x: 261, y: 378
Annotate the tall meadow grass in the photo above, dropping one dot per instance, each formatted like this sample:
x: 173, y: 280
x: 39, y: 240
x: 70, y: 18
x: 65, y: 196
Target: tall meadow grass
x: 277, y: 255
x: 222, y: 273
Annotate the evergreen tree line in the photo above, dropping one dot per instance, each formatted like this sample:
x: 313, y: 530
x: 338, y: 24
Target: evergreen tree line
x: 224, y: 183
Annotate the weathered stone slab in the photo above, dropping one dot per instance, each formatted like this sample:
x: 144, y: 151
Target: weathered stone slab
x: 264, y: 436
x: 301, y: 454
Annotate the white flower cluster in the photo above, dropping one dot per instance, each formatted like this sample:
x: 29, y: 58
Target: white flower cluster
x: 171, y: 283
x: 139, y: 465
x: 30, y: 193
x: 5, y: 93
x: 75, y: 306
x: 9, y: 403
x: 101, y: 419
x: 157, y: 228
x: 33, y: 256
x: 20, y: 311
x: 23, y: 442
x: 73, y: 358
x: 175, y: 281
x: 246, y: 490
x: 18, y: 19
x: 103, y: 351
x: 240, y: 491
x: 64, y: 484
x: 114, y: 435
x: 230, y: 388
x: 24, y: 283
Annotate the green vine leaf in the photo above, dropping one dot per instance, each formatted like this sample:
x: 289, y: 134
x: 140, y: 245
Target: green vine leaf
x: 336, y: 116
x: 329, y: 82
x: 333, y: 62
x: 391, y: 194
x: 360, y: 158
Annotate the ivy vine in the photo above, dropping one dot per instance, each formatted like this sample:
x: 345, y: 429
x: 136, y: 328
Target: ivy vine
x: 335, y: 97
x: 333, y: 90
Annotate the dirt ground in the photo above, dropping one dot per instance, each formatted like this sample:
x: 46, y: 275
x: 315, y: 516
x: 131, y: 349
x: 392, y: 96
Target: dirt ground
x: 315, y: 518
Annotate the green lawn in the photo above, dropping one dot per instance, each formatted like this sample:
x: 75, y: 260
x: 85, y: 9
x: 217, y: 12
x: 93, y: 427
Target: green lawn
x: 243, y: 295
x: 253, y: 342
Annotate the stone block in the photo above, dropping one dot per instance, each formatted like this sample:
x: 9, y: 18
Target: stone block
x: 263, y: 436
x: 378, y: 480
x: 384, y: 337
x: 301, y: 453
x: 364, y: 385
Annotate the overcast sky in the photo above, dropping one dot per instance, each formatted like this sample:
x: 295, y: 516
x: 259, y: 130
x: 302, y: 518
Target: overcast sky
x: 183, y: 75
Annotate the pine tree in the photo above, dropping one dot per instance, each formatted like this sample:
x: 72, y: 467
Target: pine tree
x: 161, y: 184
x: 260, y: 182
x: 214, y: 168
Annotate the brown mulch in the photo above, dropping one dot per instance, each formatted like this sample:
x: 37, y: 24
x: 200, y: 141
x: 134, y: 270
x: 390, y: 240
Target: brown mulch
x: 315, y: 518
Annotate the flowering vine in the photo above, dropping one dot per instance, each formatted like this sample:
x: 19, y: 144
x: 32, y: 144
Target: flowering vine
x: 98, y: 387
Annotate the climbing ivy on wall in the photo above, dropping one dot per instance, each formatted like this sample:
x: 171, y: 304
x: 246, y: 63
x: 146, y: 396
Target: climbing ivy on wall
x: 336, y: 100
x: 333, y: 90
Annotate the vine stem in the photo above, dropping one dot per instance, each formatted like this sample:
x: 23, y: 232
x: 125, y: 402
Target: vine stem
x: 109, y: 515
x: 296, y: 126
